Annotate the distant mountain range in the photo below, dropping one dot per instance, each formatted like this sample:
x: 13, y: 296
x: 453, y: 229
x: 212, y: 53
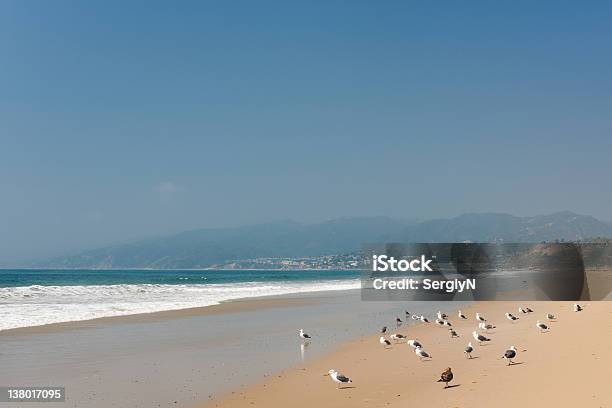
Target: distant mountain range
x: 206, y: 247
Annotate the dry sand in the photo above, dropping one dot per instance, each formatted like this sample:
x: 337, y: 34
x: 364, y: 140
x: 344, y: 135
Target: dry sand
x: 567, y: 367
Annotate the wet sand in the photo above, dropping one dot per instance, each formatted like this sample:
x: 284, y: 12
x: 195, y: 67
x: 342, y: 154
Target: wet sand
x: 566, y: 367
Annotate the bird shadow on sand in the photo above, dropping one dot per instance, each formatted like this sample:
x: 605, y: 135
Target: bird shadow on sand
x: 473, y: 358
x: 349, y: 387
x: 513, y: 364
x: 452, y: 386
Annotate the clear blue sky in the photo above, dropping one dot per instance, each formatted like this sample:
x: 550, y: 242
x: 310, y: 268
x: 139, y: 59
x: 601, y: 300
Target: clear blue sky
x: 124, y: 119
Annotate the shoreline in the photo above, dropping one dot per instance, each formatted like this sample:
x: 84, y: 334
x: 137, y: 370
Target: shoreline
x: 238, y: 305
x: 552, y: 366
x: 188, y: 349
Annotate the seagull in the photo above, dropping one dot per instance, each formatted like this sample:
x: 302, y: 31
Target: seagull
x: 551, y: 316
x: 511, y: 317
x: 305, y: 336
x: 529, y: 310
x: 439, y: 322
x: 486, y: 326
x: 414, y: 343
x: 446, y: 377
x: 480, y: 318
x: 468, y: 350
x: 577, y: 307
x: 421, y: 353
x: 453, y: 333
x: 415, y: 317
x: 446, y: 323
x: 407, y: 314
x: 510, y: 354
x: 397, y: 337
x: 461, y: 315
x: 441, y: 316
x: 383, y: 330
x: 525, y: 310
x: 384, y: 341
x: 479, y: 337
x: 338, y: 378
x: 541, y: 326
x: 398, y: 321
x: 424, y: 319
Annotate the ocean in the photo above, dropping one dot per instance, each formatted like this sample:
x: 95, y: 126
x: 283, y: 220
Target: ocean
x: 33, y: 297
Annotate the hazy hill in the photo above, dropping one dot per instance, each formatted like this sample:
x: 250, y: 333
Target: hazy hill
x: 493, y: 227
x: 204, y: 247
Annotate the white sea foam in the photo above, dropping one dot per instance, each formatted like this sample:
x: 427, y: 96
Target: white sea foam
x: 38, y: 305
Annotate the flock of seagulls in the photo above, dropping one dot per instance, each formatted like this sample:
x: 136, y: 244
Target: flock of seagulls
x: 442, y: 320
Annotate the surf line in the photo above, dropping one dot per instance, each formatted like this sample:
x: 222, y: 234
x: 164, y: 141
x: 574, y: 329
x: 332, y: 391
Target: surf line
x: 449, y: 286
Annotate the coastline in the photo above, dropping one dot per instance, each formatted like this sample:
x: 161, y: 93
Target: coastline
x: 245, y: 352
x: 181, y: 358
x: 239, y: 305
x: 565, y: 367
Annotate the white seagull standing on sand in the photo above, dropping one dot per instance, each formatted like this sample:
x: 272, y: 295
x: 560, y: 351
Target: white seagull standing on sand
x: 338, y: 378
x: 424, y: 319
x: 486, y: 326
x: 397, y: 337
x: 480, y: 318
x: 446, y: 323
x: 439, y: 322
x: 577, y: 307
x: 479, y: 337
x: 511, y: 317
x: 468, y: 350
x: 510, y: 354
x: 551, y: 316
x: 421, y: 353
x: 461, y: 315
x: 305, y: 336
x: 414, y: 343
x: 385, y: 343
x: 541, y: 326
x: 441, y: 316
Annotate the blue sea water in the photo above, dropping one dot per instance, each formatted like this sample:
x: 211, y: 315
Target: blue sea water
x: 67, y: 277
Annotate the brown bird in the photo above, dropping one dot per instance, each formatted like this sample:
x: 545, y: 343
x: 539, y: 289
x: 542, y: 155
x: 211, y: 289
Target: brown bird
x: 446, y: 377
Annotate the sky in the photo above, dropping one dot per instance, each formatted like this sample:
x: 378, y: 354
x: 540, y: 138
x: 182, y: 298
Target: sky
x: 121, y: 120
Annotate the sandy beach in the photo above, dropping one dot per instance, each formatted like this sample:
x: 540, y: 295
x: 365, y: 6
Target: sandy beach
x: 566, y: 367
x: 246, y: 353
